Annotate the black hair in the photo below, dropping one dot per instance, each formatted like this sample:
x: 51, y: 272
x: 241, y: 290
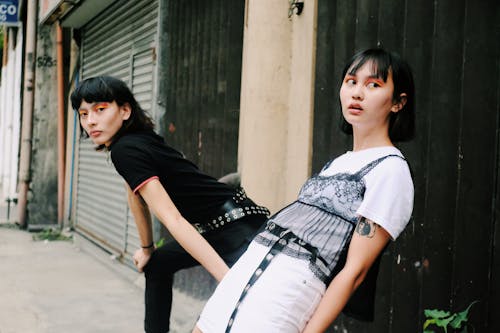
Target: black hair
x: 401, y: 123
x: 109, y: 89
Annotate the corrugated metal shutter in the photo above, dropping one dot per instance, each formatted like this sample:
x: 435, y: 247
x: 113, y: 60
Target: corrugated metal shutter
x: 119, y: 42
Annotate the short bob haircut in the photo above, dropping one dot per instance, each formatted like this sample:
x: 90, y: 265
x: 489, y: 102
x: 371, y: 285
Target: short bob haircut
x: 401, y: 123
x: 109, y: 89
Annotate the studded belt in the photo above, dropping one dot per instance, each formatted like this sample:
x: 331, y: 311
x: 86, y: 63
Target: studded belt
x: 233, y: 209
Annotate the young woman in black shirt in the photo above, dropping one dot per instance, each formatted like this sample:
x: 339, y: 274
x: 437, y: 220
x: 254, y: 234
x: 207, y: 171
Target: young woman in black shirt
x: 211, y: 222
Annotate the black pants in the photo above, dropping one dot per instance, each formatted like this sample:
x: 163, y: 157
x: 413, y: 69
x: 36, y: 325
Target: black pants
x: 229, y: 242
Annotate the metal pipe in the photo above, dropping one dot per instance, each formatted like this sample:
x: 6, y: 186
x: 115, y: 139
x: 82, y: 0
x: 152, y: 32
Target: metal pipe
x: 73, y: 151
x: 61, y: 129
x: 27, y: 117
x: 5, y: 46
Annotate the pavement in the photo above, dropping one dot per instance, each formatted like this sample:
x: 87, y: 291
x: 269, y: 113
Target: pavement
x: 55, y: 287
x: 73, y: 286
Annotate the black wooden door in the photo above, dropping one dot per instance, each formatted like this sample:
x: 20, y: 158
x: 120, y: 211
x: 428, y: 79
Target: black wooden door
x: 446, y: 258
x: 203, y: 59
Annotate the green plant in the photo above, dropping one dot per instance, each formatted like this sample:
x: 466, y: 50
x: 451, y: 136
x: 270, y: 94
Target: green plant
x: 9, y: 226
x: 160, y: 242
x: 446, y: 319
x: 51, y: 234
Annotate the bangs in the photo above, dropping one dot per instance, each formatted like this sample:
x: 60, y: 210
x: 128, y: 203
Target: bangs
x: 91, y: 91
x: 380, y: 63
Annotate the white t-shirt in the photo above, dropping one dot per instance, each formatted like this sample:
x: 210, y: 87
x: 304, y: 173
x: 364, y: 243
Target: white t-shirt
x: 388, y: 199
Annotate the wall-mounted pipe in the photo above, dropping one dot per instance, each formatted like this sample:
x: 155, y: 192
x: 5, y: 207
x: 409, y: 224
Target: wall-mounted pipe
x: 61, y: 129
x: 5, y: 49
x: 27, y: 113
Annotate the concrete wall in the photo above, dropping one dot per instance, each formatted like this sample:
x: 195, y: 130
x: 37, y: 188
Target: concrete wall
x: 42, y: 200
x: 275, y: 141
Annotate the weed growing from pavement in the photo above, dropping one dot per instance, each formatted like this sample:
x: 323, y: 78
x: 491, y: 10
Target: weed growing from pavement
x: 457, y: 321
x: 9, y: 225
x: 51, y: 234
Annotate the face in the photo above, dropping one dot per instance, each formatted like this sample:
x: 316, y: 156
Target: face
x: 367, y: 100
x: 102, y: 120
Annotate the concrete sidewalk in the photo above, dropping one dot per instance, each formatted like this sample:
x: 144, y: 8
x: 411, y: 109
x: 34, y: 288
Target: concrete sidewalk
x: 56, y: 287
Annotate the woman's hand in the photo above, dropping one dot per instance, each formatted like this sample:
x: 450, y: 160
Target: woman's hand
x: 141, y: 258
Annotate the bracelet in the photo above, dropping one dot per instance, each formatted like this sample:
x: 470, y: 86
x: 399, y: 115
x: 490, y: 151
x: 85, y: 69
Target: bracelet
x: 148, y: 246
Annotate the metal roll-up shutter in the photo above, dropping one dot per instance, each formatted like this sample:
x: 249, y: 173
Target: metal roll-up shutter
x: 119, y: 42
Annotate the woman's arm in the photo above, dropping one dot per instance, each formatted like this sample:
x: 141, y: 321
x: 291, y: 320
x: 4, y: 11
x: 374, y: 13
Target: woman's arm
x: 367, y: 242
x: 157, y: 198
x: 142, y: 219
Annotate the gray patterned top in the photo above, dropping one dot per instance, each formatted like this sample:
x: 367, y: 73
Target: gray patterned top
x: 324, y: 216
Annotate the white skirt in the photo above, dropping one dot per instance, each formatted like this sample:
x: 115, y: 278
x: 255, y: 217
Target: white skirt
x: 283, y: 299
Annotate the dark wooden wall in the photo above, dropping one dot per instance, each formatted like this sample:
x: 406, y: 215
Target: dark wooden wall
x: 447, y: 257
x: 203, y: 57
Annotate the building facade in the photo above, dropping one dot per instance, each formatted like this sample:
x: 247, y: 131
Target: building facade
x: 252, y: 87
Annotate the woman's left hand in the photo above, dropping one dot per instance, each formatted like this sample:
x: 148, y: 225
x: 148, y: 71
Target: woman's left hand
x: 141, y: 258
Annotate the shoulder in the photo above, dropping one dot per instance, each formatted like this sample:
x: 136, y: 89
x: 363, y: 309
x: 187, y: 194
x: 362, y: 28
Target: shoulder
x: 366, y: 160
x: 125, y: 144
x: 133, y: 139
x: 132, y: 145
x: 392, y: 166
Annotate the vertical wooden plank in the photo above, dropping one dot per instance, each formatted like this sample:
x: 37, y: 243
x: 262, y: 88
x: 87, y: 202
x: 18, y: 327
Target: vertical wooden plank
x: 179, y: 97
x: 206, y: 114
x: 391, y: 25
x: 203, y: 48
x: 325, y: 104
x: 367, y: 22
x: 442, y: 162
x: 190, y: 62
x: 475, y: 219
x: 221, y: 84
x: 217, y: 123
x: 494, y: 319
x: 234, y: 16
x: 406, y: 288
x: 170, y: 120
x: 190, y: 52
x: 176, y: 106
x: 494, y: 304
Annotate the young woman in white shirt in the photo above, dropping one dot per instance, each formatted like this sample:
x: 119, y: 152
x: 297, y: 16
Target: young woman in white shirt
x: 300, y: 272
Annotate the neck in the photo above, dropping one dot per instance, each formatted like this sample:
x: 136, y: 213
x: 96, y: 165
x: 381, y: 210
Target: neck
x: 370, y: 139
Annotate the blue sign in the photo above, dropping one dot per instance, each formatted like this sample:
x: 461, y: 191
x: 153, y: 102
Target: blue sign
x: 8, y: 12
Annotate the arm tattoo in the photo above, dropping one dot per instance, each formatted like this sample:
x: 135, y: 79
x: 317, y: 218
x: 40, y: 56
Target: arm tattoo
x: 366, y: 227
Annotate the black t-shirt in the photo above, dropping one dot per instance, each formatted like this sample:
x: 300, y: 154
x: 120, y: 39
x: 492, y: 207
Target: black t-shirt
x: 139, y: 157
